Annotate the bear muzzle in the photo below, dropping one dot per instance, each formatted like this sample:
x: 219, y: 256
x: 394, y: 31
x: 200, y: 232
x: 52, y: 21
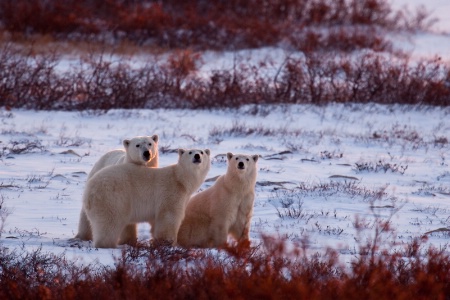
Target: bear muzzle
x: 197, y: 159
x: 146, y: 155
x: 241, y: 165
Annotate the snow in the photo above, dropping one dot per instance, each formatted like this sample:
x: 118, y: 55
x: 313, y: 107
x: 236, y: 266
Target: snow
x: 430, y: 44
x: 321, y: 147
x: 437, y: 8
x: 309, y: 162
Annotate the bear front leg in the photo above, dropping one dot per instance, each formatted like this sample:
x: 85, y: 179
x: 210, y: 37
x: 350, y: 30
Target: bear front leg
x: 241, y: 227
x: 244, y: 239
x: 166, y: 228
x: 129, y: 235
x: 245, y: 235
x: 106, y: 234
x: 84, y: 227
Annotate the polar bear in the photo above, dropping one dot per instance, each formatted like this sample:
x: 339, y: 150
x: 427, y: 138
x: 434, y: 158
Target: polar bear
x: 224, y: 208
x: 140, y: 150
x: 124, y: 194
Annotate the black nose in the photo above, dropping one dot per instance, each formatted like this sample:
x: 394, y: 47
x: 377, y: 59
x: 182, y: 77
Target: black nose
x: 146, y: 155
x: 240, y: 165
x: 197, y: 156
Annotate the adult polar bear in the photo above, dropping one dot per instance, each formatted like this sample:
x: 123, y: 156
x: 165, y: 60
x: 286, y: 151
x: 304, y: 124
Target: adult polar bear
x: 140, y: 150
x: 127, y: 193
x: 224, y: 208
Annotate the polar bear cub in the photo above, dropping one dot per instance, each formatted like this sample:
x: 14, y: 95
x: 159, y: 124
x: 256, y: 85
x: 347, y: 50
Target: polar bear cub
x: 124, y: 194
x: 140, y: 150
x: 224, y: 208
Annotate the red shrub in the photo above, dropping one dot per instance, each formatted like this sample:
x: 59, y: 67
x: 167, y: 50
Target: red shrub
x: 266, y: 271
x: 31, y: 81
x: 208, y: 24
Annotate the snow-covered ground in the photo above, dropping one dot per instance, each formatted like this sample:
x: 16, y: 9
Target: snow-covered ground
x: 321, y: 168
x: 326, y: 166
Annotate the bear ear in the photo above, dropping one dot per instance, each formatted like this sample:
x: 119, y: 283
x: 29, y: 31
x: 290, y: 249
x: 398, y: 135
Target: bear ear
x: 126, y: 143
x: 155, y: 137
x: 207, y: 151
x: 181, y: 151
x: 229, y: 155
x: 255, y: 158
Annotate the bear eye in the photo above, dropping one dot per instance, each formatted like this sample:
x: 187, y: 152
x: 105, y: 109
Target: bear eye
x: 201, y: 152
x: 247, y: 159
x: 137, y: 146
x: 150, y: 144
x: 190, y: 152
x: 237, y: 158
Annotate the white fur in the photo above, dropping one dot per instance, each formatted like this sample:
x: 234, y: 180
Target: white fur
x: 124, y: 194
x: 226, y: 208
x: 140, y: 150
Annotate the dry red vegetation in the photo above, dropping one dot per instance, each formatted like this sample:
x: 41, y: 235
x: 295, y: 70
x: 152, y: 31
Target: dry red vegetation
x: 267, y: 271
x: 327, y: 32
x: 32, y: 81
x: 204, y: 24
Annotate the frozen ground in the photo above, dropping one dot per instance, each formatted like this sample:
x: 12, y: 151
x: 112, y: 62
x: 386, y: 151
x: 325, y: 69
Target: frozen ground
x: 320, y: 169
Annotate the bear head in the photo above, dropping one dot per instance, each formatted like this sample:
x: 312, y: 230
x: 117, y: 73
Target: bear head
x: 141, y: 149
x: 242, y: 165
x: 194, y: 157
